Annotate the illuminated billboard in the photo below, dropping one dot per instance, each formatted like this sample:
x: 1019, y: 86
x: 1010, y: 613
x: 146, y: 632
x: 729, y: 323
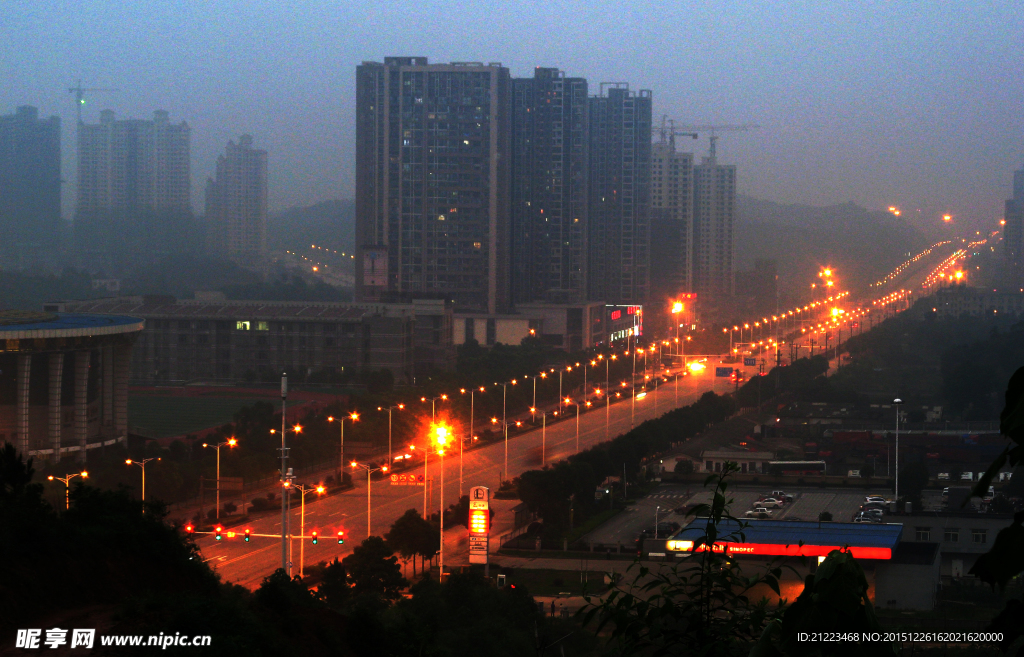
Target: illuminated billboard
x: 791, y: 550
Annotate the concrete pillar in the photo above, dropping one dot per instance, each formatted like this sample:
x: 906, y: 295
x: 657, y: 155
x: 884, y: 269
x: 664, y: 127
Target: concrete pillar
x: 54, y: 389
x: 81, y: 401
x: 107, y: 357
x: 24, y: 371
x: 122, y: 360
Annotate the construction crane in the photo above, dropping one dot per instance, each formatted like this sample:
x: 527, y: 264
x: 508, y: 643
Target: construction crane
x: 79, y: 92
x: 669, y: 132
x: 715, y: 129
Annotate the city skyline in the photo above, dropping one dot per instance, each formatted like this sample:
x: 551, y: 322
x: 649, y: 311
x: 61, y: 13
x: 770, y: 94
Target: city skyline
x: 880, y: 106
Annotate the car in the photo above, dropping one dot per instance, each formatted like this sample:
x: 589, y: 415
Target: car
x: 874, y: 498
x: 862, y: 519
x: 967, y: 476
x: 874, y: 506
x: 758, y: 512
x: 781, y: 495
x: 770, y: 503
x: 877, y: 513
x: 853, y: 473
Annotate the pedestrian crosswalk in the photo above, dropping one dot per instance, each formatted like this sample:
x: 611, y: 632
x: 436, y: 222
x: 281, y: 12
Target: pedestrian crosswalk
x: 664, y: 496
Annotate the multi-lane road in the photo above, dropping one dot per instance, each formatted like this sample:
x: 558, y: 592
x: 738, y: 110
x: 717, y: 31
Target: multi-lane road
x: 247, y: 563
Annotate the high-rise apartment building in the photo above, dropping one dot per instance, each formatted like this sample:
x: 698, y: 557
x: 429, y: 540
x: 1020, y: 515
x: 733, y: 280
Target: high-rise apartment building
x: 236, y: 205
x: 134, y: 190
x: 619, y: 207
x: 549, y: 187
x: 433, y: 177
x: 133, y: 165
x: 714, y: 209
x: 672, y: 219
x: 29, y: 179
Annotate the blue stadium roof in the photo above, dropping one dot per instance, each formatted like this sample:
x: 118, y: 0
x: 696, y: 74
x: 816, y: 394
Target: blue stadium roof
x: 63, y: 321
x: 782, y: 532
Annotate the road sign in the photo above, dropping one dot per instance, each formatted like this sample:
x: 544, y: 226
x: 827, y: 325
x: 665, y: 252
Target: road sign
x: 749, y: 362
x: 408, y: 480
x: 479, y: 524
x: 723, y: 371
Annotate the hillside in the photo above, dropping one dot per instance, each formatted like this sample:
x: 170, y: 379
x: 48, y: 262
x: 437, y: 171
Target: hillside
x: 859, y: 244
x: 330, y: 224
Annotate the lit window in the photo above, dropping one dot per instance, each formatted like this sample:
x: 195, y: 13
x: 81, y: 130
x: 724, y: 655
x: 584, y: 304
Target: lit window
x: 242, y: 326
x: 262, y: 326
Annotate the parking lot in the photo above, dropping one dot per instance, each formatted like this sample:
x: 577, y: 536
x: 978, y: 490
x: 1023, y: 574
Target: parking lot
x: 807, y: 504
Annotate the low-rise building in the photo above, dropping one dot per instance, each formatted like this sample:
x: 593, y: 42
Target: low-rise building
x: 712, y: 460
x: 212, y: 339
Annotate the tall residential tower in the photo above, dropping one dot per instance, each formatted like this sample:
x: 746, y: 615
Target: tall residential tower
x: 549, y: 187
x: 433, y: 172
x: 619, y: 207
x: 29, y: 180
x: 236, y: 205
x: 671, y: 220
x: 714, y: 209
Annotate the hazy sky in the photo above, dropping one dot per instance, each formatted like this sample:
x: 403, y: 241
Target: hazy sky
x: 916, y: 104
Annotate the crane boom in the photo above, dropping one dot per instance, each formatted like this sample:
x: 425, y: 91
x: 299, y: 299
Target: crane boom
x: 79, y: 93
x: 715, y: 129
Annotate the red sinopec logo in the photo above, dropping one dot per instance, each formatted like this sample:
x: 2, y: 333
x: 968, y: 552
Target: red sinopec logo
x: 616, y: 314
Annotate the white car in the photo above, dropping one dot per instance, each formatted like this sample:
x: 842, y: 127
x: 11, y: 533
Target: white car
x: 759, y: 511
x: 770, y: 503
x: 874, y: 498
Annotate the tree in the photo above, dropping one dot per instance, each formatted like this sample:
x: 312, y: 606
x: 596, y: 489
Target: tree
x: 372, y: 568
x: 410, y: 535
x: 684, y: 466
x: 700, y: 607
x: 834, y: 599
x: 334, y: 588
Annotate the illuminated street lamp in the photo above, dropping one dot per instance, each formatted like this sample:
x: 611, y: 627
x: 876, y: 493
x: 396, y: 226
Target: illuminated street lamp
x: 66, y: 480
x: 442, y: 435
x: 341, y: 449
x: 230, y: 442
x: 369, y: 470
x: 142, y: 464
x: 389, y: 409
x: 504, y: 424
x: 319, y: 490
x: 471, y: 434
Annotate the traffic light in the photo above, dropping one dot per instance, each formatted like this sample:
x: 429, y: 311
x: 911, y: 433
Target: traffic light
x: 247, y: 533
x: 189, y: 528
x: 314, y: 538
x: 341, y: 538
x: 218, y: 530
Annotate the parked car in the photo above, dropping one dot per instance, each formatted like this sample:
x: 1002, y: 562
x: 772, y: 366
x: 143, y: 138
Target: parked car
x: 759, y: 512
x: 853, y: 473
x: 770, y: 503
x: 873, y: 506
x: 874, y: 498
x: 967, y: 476
x: 862, y: 518
x: 876, y: 513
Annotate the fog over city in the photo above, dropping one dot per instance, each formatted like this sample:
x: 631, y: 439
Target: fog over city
x: 914, y: 105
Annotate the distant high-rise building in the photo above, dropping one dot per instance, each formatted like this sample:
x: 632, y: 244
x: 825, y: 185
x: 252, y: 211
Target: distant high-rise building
x: 619, y: 207
x: 672, y: 219
x: 1013, y: 232
x: 236, y: 205
x: 134, y: 189
x: 133, y: 165
x: 29, y: 178
x: 549, y: 187
x: 433, y: 176
x: 714, y: 209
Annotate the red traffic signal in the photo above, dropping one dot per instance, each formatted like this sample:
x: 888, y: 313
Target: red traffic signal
x: 247, y: 533
x: 341, y: 537
x: 217, y: 531
x: 314, y: 538
x: 189, y: 528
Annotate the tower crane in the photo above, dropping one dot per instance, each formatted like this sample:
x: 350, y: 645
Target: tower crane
x: 79, y: 91
x: 715, y: 129
x: 669, y: 132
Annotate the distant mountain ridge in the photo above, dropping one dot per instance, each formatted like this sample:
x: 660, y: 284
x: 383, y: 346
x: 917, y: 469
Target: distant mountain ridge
x: 861, y: 245
x: 330, y: 224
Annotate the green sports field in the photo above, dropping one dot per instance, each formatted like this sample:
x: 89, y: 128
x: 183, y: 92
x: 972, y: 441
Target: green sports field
x: 163, y: 416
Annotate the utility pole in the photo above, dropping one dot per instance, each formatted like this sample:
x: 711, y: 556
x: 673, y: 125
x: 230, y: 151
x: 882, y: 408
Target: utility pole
x: 284, y: 473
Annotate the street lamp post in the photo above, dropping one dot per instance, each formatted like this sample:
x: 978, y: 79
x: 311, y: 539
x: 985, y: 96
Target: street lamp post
x: 896, y: 402
x: 389, y: 409
x: 632, y: 389
x: 230, y: 442
x: 462, y: 443
x: 441, y: 436
x: 319, y: 490
x: 142, y: 464
x: 432, y: 401
x: 544, y: 434
x: 66, y: 480
x: 504, y: 424
x: 341, y: 448
x: 369, y: 470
